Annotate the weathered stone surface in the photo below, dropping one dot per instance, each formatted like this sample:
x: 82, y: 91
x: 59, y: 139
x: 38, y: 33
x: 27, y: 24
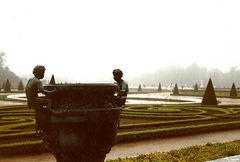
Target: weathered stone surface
x: 81, y: 124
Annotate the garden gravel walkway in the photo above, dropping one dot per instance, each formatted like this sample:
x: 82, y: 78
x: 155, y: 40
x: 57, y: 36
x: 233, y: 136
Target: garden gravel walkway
x: 228, y: 159
x: 144, y: 147
x: 161, y: 95
x: 7, y: 103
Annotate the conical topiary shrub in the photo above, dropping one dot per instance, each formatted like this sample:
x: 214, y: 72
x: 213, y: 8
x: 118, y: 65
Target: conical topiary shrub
x: 196, y: 88
x: 7, y: 87
x: 175, y: 90
x: 139, y: 88
x: 209, y: 97
x: 20, y: 86
x: 233, y: 92
x: 52, y: 80
x: 159, y: 87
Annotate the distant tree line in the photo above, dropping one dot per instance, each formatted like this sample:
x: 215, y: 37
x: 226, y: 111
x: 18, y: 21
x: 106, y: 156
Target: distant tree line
x: 6, y: 74
x: 189, y: 76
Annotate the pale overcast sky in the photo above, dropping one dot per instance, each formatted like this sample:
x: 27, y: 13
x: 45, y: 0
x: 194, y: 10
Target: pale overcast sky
x: 85, y: 40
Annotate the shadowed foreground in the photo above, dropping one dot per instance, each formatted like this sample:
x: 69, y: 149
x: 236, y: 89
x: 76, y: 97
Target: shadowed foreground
x: 144, y: 147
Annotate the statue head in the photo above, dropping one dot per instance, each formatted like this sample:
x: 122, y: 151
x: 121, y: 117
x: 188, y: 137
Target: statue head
x: 117, y: 75
x: 39, y: 71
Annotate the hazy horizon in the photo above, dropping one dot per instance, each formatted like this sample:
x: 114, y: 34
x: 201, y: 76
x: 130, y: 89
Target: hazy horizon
x: 139, y: 79
x: 86, y: 40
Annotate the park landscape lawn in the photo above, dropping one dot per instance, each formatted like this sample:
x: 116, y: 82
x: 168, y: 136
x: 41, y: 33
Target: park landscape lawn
x: 138, y: 122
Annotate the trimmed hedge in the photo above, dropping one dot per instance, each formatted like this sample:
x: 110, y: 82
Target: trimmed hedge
x: 22, y: 147
x: 175, y: 131
x: 142, y: 122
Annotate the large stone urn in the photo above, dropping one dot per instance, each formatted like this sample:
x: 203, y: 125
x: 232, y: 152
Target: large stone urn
x: 81, y: 123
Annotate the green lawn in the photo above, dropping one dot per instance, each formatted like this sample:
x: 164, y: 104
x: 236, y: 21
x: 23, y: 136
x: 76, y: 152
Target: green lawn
x: 189, y: 154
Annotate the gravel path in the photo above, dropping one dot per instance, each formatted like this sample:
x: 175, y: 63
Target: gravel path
x: 7, y: 103
x: 144, y: 147
x: 161, y: 95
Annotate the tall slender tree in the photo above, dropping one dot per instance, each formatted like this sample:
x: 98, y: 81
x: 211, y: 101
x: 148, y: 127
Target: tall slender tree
x: 159, y: 87
x: 7, y: 87
x: 5, y: 72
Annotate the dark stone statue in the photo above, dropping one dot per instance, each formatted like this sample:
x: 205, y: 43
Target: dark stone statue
x: 80, y: 123
x: 122, y: 87
x: 34, y: 86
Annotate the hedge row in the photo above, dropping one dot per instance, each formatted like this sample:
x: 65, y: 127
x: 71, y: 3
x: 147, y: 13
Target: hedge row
x: 17, y: 123
x: 175, y: 131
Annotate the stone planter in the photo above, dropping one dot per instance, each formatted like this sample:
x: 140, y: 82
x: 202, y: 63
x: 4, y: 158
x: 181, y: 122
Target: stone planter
x: 81, y: 124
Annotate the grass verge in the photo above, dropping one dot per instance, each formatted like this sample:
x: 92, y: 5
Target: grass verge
x: 189, y: 154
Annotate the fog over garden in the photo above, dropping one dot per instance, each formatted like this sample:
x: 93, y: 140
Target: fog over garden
x: 167, y: 76
x: 119, y: 81
x: 6, y: 73
x: 189, y: 76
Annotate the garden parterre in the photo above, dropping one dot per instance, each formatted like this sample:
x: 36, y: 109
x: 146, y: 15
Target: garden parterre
x: 137, y: 122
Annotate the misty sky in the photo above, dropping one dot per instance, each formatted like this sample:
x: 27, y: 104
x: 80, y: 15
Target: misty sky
x: 85, y: 40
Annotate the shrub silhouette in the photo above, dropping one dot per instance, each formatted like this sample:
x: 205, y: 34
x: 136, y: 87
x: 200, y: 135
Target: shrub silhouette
x: 7, y: 86
x: 52, y: 80
x: 209, y: 97
x: 20, y: 86
x: 159, y: 87
x: 175, y: 90
x: 139, y: 88
x: 196, y: 88
x: 233, y: 92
